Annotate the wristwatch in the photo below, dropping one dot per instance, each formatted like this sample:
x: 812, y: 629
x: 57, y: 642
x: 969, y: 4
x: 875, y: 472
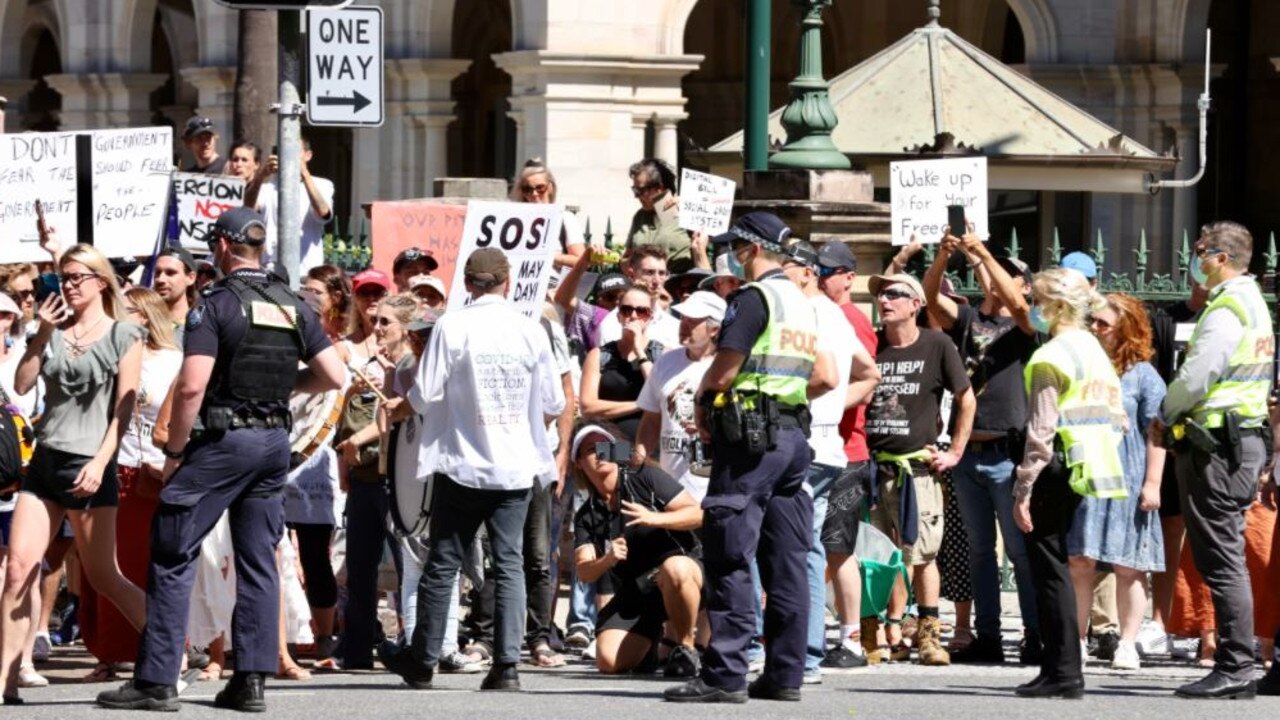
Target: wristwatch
x: 171, y: 454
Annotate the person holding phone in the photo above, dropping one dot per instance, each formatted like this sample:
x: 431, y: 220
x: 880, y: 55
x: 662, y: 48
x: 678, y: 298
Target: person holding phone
x: 262, y: 192
x: 90, y: 361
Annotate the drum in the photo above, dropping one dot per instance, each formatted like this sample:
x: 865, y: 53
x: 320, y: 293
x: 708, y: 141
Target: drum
x: 315, y: 417
x: 410, y: 497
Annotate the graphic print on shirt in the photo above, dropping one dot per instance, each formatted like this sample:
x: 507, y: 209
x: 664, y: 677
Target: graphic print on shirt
x: 899, y: 384
x: 503, y: 381
x: 680, y: 406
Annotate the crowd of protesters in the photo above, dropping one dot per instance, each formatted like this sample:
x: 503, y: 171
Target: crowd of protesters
x: 565, y: 512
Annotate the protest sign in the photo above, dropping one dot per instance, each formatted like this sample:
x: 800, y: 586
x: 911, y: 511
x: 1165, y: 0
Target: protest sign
x: 201, y: 201
x: 921, y: 190
x: 706, y: 202
x: 131, y: 170
x: 432, y: 226
x: 36, y: 166
x: 525, y: 232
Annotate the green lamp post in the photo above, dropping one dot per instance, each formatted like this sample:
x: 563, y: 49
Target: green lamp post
x: 809, y: 117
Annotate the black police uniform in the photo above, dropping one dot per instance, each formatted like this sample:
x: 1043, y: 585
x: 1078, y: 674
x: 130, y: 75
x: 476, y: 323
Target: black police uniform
x: 242, y: 325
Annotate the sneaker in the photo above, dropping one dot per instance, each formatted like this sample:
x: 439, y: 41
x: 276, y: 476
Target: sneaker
x: 456, y: 662
x: 29, y: 678
x: 812, y: 677
x: 1084, y: 653
x: 755, y: 657
x: 1107, y: 644
x: 683, y: 662
x: 842, y: 658
x: 1184, y: 648
x: 41, y: 648
x: 1126, y: 657
x: 1152, y: 639
x: 578, y: 638
x: 589, y: 652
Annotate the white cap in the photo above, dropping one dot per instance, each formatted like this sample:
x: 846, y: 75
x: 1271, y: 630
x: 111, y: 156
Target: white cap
x: 7, y: 305
x: 582, y: 436
x: 701, y: 305
x: 430, y: 281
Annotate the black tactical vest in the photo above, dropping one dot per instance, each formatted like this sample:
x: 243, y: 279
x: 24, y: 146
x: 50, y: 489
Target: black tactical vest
x: 264, y: 366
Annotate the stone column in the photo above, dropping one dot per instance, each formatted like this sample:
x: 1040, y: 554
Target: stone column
x: 105, y: 100
x: 216, y: 88
x: 666, y: 144
x: 14, y: 90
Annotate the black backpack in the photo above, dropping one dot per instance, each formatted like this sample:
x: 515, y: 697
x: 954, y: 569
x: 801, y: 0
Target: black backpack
x: 17, y: 441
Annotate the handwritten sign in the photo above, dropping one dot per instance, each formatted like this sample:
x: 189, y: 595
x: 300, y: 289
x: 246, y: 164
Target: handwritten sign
x: 36, y: 166
x: 432, y: 226
x: 921, y: 190
x: 706, y: 202
x: 528, y: 233
x: 201, y: 201
x: 131, y: 171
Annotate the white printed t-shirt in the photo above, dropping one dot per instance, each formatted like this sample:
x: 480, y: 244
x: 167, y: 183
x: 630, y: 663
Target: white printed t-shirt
x: 670, y: 390
x: 836, y: 336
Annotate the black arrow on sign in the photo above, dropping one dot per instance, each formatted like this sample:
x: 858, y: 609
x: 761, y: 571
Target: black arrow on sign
x: 357, y: 101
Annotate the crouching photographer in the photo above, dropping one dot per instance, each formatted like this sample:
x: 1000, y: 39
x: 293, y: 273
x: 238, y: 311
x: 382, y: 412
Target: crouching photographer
x: 634, y: 536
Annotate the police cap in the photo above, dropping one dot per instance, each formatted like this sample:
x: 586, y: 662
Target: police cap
x: 762, y: 228
x: 240, y: 225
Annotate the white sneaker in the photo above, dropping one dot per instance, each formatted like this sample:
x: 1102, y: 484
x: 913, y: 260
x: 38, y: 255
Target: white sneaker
x: 1126, y: 657
x: 589, y: 652
x: 813, y: 677
x: 1084, y: 653
x: 29, y: 678
x: 41, y: 648
x: 1184, y: 648
x: 1152, y: 639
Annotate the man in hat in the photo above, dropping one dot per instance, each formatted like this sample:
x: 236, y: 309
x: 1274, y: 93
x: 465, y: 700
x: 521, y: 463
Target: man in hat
x: 430, y: 290
x: 175, y: 281
x: 228, y: 448
x: 486, y: 389
x: 1083, y: 263
x: 753, y: 408
x: 410, y: 263
x: 995, y: 341
x: 200, y: 138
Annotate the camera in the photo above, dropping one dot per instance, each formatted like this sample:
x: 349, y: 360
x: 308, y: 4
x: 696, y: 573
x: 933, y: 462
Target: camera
x: 614, y: 452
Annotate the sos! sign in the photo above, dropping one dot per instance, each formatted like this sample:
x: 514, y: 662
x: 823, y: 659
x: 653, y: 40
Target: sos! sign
x: 527, y: 233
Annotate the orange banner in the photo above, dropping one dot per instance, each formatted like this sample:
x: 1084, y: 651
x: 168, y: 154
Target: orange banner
x: 429, y: 226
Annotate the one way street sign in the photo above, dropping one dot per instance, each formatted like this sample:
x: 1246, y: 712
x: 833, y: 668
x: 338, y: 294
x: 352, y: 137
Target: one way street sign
x: 344, y: 66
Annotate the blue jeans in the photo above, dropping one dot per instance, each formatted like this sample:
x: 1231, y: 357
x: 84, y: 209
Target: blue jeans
x: 821, y: 477
x: 983, y: 484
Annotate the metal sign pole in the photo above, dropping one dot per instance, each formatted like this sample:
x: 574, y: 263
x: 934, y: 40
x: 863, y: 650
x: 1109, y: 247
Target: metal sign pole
x: 288, y: 217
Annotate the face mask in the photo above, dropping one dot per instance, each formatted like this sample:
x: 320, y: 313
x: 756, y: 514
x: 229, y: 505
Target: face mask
x: 736, y: 267
x: 1197, y: 272
x: 1039, y: 322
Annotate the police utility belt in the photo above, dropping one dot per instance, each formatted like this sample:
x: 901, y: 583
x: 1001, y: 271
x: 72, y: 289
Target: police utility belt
x: 750, y: 422
x: 1225, y: 441
x: 221, y: 418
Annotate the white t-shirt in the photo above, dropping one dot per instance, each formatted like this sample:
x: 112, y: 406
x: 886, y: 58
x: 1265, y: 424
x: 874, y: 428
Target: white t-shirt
x: 311, y: 249
x: 32, y: 403
x: 836, y: 336
x: 560, y: 352
x: 670, y: 391
x: 159, y: 368
x: 664, y: 328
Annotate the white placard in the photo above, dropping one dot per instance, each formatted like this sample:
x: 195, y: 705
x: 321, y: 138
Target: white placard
x: 201, y: 201
x: 527, y: 233
x: 921, y: 190
x: 344, y: 66
x: 131, y: 170
x: 706, y: 202
x: 36, y: 166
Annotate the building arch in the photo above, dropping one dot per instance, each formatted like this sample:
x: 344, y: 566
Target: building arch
x: 1039, y: 29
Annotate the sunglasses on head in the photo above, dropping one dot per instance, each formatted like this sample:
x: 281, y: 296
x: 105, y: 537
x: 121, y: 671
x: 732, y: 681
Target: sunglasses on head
x: 639, y: 311
x: 896, y: 294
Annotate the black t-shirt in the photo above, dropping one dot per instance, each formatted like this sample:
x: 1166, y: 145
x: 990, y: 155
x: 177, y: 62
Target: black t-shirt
x: 903, y: 415
x: 217, y: 167
x: 216, y: 326
x: 620, y: 381
x: 595, y: 524
x: 745, y: 318
x: 1164, y: 329
x: 995, y: 353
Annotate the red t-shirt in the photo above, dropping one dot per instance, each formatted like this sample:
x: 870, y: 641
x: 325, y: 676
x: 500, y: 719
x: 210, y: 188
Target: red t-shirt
x: 853, y: 426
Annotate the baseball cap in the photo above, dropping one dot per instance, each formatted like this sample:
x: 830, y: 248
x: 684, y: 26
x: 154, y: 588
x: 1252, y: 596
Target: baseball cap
x: 372, y: 276
x: 700, y: 305
x: 803, y: 253
x: 7, y: 305
x: 584, y: 433
x: 241, y: 225
x: 878, y: 282
x: 759, y: 227
x: 611, y: 282
x: 198, y: 126
x: 435, y: 283
x: 414, y: 254
x: 1016, y: 268
x: 1081, y: 263
x: 948, y: 288
x: 835, y: 256
x: 184, y: 256
x: 487, y: 268
x: 425, y: 322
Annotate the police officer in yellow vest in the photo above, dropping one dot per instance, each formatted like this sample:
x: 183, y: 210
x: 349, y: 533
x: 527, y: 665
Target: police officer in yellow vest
x: 1076, y: 424
x: 752, y: 408
x: 1216, y: 411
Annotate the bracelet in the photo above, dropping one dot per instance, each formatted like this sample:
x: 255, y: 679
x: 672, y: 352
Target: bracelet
x: 172, y: 455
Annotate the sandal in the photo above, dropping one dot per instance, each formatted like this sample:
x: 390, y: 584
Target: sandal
x: 212, y: 671
x: 102, y: 672
x: 294, y: 672
x: 544, y: 657
x: 960, y: 641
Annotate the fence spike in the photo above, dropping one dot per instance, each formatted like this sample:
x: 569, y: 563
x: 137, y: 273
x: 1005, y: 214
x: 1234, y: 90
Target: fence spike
x: 608, y: 232
x: 1100, y: 252
x: 1271, y: 257
x: 1184, y: 262
x: 1140, y: 282
x: 1015, y: 250
x: 1055, y: 250
x: 586, y: 232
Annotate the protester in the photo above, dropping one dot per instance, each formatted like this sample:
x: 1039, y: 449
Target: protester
x: 583, y: 319
x: 19, y: 283
x: 722, y: 282
x: 200, y: 138
x: 657, y: 222
x: 1074, y: 433
x: 410, y: 263
x: 1083, y: 263
x: 429, y: 290
x: 646, y: 266
x: 614, y: 373
x: 535, y: 183
x: 175, y: 281
x: 90, y: 371
x: 244, y: 161
x: 328, y: 290
x: 681, y: 286
x: 262, y: 192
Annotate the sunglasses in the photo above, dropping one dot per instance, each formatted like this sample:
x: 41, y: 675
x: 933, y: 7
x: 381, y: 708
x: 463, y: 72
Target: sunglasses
x: 640, y: 190
x: 1100, y: 323
x: 638, y: 311
x: 24, y: 294
x: 896, y: 294
x: 384, y: 322
x: 540, y: 189
x: 1201, y: 252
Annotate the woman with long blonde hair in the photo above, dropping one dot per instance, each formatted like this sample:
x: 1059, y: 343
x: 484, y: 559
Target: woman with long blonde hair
x: 535, y: 183
x: 90, y: 359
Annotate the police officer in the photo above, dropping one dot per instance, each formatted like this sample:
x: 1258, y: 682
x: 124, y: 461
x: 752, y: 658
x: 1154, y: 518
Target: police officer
x: 1217, y: 410
x: 752, y: 407
x: 243, y: 346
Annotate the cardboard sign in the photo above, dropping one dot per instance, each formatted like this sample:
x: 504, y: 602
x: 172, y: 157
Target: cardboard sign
x: 706, y: 202
x: 131, y: 170
x: 921, y: 190
x: 201, y: 201
x: 528, y: 233
x: 435, y: 227
x: 36, y: 166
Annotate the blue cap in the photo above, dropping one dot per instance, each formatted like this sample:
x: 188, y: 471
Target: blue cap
x: 1081, y: 263
x: 760, y: 227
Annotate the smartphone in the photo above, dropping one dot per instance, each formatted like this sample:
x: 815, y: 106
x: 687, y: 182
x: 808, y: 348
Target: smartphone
x: 41, y: 226
x: 275, y: 150
x: 614, y: 452
x: 46, y: 284
x: 955, y: 218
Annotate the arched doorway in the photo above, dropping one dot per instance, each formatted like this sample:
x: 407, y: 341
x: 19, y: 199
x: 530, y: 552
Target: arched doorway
x: 482, y: 141
x: 43, y: 103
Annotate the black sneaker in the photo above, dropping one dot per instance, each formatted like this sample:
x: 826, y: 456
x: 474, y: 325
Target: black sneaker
x: 244, y: 692
x: 399, y: 660
x: 763, y: 688
x: 683, y: 662
x: 1030, y: 650
x: 502, y: 678
x: 697, y: 691
x: 982, y: 651
x: 842, y: 658
x: 128, y: 696
x: 1108, y: 643
x: 1269, y: 684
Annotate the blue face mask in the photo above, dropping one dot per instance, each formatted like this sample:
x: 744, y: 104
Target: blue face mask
x: 736, y: 267
x: 1039, y: 322
x: 1197, y: 272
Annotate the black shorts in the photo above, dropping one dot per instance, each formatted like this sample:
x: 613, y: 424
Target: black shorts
x: 1170, y: 502
x: 637, y: 606
x: 52, y: 472
x: 844, y: 509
